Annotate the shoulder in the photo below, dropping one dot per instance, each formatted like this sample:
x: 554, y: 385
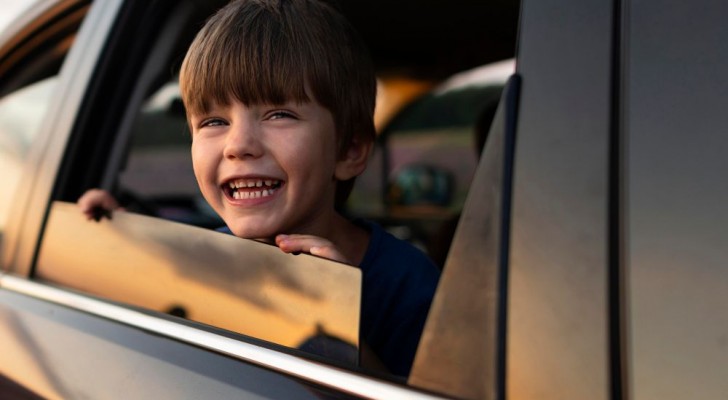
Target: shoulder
x: 224, y: 229
x: 394, y: 268
x: 394, y: 255
x: 399, y: 282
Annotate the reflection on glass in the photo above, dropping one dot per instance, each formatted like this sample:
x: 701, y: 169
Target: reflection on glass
x: 217, y: 279
x: 21, y: 113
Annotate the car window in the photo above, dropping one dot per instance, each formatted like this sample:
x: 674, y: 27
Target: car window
x: 29, y: 64
x: 301, y: 302
x: 426, y: 156
x: 157, y: 177
x: 21, y: 113
x: 11, y: 9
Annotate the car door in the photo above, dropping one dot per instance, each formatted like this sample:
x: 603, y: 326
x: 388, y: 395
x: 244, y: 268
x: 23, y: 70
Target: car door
x: 70, y: 341
x: 589, y: 263
x: 674, y: 224
x: 617, y: 271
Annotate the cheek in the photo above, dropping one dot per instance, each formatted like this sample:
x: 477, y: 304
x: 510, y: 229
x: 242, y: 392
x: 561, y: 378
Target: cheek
x: 316, y: 159
x: 200, y: 162
x: 194, y: 151
x: 315, y: 151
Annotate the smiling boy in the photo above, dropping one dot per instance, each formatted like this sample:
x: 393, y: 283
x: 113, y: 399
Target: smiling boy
x: 267, y: 169
x: 280, y: 99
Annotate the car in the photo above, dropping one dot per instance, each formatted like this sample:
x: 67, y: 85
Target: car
x: 582, y: 246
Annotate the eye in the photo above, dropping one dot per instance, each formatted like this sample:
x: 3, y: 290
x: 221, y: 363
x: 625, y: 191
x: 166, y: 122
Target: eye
x: 281, y: 114
x: 211, y: 122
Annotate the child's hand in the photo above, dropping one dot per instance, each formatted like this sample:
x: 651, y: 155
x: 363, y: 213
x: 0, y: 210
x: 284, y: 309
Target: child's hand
x: 97, y: 203
x: 314, y: 245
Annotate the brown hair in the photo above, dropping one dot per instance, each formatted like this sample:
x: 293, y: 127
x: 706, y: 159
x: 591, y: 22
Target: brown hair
x: 271, y: 51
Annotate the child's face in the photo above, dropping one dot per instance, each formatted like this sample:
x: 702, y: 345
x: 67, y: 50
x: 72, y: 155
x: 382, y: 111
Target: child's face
x: 267, y: 169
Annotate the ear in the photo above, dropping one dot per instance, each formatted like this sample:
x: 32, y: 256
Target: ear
x: 354, y: 161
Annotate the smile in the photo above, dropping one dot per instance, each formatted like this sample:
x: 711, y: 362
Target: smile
x: 243, y: 189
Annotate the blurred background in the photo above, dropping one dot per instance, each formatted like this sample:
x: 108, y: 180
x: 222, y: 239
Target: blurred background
x: 9, y: 9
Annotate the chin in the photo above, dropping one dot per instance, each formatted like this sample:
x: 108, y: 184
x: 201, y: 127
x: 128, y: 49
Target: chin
x: 241, y: 231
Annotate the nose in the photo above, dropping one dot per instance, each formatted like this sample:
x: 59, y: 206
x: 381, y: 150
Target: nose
x: 242, y: 141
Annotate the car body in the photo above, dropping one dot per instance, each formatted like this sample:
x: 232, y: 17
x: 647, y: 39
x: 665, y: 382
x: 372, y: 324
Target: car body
x: 589, y: 258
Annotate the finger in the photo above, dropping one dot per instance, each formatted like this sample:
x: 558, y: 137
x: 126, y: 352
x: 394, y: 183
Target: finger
x: 329, y: 252
x: 98, y: 213
x: 293, y: 243
x: 310, y: 244
x: 96, y: 203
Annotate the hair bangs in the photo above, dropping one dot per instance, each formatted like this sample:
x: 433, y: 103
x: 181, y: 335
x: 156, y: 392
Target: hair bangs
x: 268, y: 65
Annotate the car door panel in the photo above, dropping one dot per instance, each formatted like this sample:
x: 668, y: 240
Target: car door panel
x: 558, y: 307
x: 62, y: 353
x: 675, y: 198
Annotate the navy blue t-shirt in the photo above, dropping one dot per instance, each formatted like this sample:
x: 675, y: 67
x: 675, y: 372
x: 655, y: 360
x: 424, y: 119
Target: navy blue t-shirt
x: 399, y: 282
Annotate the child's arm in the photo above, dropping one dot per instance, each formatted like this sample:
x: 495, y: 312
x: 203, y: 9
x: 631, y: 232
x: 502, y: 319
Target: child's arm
x: 314, y: 245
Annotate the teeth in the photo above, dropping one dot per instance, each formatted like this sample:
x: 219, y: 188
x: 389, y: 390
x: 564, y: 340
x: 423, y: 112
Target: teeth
x: 269, y: 186
x: 251, y: 183
x: 252, y: 195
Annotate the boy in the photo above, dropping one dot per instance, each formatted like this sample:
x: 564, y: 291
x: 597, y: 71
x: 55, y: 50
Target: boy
x: 280, y: 98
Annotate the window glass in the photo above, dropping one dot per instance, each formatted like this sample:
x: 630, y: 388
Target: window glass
x: 421, y: 169
x: 301, y: 302
x: 21, y: 113
x: 30, y: 63
x: 159, y: 158
x: 157, y: 178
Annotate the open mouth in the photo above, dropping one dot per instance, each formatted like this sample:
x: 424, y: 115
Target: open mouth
x: 242, y: 189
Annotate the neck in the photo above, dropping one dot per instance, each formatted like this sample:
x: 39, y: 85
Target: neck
x: 351, y: 240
